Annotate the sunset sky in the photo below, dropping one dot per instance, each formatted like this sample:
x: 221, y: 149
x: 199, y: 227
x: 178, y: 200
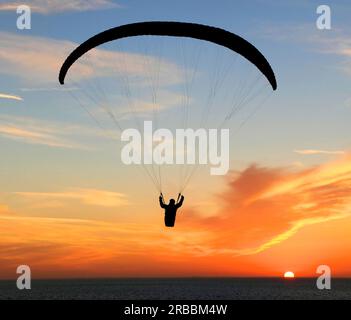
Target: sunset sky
x: 70, y: 208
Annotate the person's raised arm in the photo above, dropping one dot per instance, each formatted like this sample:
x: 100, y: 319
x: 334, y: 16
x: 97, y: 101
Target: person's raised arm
x: 162, y: 204
x: 179, y: 204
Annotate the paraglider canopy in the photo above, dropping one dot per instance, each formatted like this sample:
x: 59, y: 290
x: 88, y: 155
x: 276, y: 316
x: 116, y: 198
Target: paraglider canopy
x: 177, y: 29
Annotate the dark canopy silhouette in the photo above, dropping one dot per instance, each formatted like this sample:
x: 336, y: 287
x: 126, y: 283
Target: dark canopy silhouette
x: 175, y: 29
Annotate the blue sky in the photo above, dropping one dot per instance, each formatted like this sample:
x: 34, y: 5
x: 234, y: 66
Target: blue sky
x: 310, y: 110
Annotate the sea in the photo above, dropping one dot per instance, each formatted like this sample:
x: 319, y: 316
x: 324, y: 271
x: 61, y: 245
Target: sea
x: 177, y: 289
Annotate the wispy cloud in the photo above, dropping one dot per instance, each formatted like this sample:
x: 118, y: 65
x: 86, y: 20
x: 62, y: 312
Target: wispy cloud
x: 139, y: 107
x: 20, y: 57
x: 45, y: 132
x: 95, y: 197
x: 317, y: 152
x: 10, y: 97
x: 55, y: 6
x: 336, y: 42
x: 48, y: 89
x: 34, y: 137
x: 296, y: 226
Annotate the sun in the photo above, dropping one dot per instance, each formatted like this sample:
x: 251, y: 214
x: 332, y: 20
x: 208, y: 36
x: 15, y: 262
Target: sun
x: 289, y: 274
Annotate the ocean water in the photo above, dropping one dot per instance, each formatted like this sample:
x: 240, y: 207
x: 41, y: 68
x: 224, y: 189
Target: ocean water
x: 178, y: 288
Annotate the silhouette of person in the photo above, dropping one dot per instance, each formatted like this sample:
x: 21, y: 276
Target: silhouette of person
x: 171, y: 209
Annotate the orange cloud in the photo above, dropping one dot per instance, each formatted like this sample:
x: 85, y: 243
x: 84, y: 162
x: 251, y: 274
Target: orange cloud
x: 92, y: 197
x: 264, y: 207
x: 317, y: 152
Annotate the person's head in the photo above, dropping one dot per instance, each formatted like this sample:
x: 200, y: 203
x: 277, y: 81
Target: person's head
x: 172, y: 201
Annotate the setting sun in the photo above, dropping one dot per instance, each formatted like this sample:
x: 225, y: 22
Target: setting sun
x: 289, y: 274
